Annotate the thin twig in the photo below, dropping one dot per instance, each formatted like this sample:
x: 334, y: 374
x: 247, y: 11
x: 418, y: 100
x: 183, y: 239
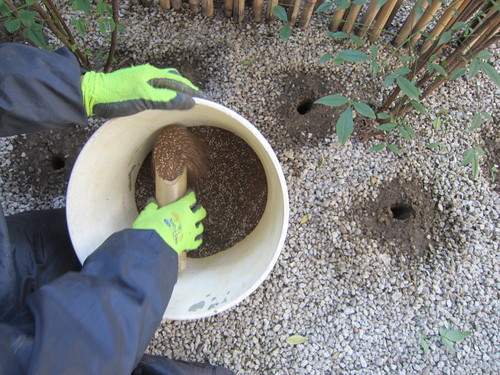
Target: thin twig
x: 114, y: 36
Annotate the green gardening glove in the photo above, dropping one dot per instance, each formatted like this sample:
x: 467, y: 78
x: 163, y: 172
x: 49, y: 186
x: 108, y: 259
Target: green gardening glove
x: 131, y: 90
x: 179, y: 223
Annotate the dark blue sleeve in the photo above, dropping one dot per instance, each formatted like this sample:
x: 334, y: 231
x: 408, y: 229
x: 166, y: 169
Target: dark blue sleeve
x: 39, y: 89
x: 99, y: 320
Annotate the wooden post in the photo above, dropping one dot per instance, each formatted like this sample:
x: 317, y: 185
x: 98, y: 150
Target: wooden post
x: 176, y: 4
x: 337, y: 18
x: 382, y: 18
x: 409, y: 23
x: 228, y: 8
x: 165, y: 4
x: 270, y: 16
x: 238, y: 10
x: 258, y: 8
x: 368, y: 18
x: 305, y: 16
x: 394, y: 11
x: 351, y: 17
x: 207, y: 8
x: 422, y: 23
x: 293, y: 12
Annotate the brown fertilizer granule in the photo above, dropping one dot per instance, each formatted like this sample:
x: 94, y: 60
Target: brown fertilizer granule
x: 233, y: 189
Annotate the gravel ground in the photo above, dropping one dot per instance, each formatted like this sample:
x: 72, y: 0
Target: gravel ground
x: 359, y: 294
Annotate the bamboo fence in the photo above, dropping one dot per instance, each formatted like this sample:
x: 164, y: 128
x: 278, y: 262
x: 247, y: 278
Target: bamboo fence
x: 434, y: 21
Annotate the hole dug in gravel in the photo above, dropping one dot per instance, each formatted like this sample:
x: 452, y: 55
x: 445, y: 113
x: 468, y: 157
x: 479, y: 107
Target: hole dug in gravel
x: 402, y: 218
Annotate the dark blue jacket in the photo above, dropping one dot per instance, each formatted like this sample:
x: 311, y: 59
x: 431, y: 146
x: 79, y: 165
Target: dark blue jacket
x: 101, y: 319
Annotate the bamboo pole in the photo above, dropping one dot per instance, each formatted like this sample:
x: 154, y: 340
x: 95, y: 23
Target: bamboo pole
x: 461, y: 62
x: 228, y: 8
x: 381, y: 20
x: 165, y: 4
x: 207, y: 8
x: 351, y: 18
x: 394, y: 11
x: 337, y: 18
x: 368, y: 18
x: 305, y: 15
x: 270, y: 16
x: 176, y: 4
x: 258, y: 8
x: 422, y: 23
x: 409, y: 24
x: 441, y: 24
x: 238, y: 10
x: 293, y: 12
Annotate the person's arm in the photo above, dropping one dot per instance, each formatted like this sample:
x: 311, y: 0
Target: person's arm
x: 99, y: 320
x: 39, y: 89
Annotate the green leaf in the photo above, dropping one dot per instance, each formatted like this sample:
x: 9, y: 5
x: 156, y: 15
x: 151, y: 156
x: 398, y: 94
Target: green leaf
x: 12, y: 25
x: 375, y: 67
x: 377, y: 148
x: 337, y: 35
x: 325, y: 58
x: 83, y: 5
x: 445, y: 38
x: 448, y: 344
x: 436, y: 124
x: 27, y: 17
x: 374, y: 50
x: 404, y: 133
x: 402, y: 71
x: 360, y: 2
x: 338, y: 61
x: 484, y: 55
x: 364, y: 110
x: 383, y: 116
x: 453, y: 334
x: 490, y: 71
x: 439, y: 69
x: 30, y: 2
x: 458, y: 26
x: 280, y: 13
x: 419, y: 107
x: 285, y: 31
x: 395, y: 149
x: 344, y: 125
x: 389, y: 80
x: 468, y: 156
x: 323, y: 7
x: 477, y: 121
x: 79, y: 24
x: 103, y: 8
x: 474, y: 67
x: 103, y: 29
x: 343, y: 4
x: 353, y: 55
x: 296, y: 340
x: 408, y: 88
x: 74, y: 47
x: 423, y: 343
x: 432, y: 145
x: 304, y: 219
x: 487, y: 116
x: 357, y: 40
x: 332, y: 100
x: 34, y: 33
x: 459, y: 72
x: 406, y: 58
x: 388, y: 127
x: 410, y: 131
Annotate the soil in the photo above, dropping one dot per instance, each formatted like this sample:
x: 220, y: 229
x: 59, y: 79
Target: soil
x: 233, y: 189
x: 45, y: 159
x: 401, y: 218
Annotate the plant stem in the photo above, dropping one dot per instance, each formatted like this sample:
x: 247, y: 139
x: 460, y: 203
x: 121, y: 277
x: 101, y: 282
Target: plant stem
x: 114, y: 36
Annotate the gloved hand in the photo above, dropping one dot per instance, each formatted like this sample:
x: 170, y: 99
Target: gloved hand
x: 179, y: 223
x: 131, y: 90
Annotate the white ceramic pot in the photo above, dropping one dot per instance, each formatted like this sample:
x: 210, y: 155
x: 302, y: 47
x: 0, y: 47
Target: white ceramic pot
x: 101, y: 201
